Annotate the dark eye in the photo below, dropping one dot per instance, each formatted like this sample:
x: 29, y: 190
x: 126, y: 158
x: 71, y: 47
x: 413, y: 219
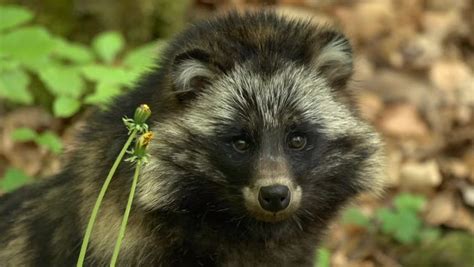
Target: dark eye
x: 297, y: 142
x: 240, y: 145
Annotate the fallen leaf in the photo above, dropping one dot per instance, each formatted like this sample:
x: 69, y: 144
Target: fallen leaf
x: 420, y: 175
x: 440, y: 209
x: 467, y: 191
x: 402, y: 120
x: 370, y: 105
x: 450, y: 75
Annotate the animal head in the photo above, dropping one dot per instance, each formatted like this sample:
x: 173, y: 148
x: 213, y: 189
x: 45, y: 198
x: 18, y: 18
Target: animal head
x: 259, y: 128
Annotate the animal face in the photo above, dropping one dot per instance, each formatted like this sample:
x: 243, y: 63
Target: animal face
x: 263, y: 136
x: 268, y: 145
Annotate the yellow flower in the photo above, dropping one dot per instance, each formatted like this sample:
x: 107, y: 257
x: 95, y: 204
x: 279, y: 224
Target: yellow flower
x: 139, y: 152
x: 145, y: 139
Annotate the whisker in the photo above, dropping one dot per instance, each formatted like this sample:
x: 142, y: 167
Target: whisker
x: 297, y: 221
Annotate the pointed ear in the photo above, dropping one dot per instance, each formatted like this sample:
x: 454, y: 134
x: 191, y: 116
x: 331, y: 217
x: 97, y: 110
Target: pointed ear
x: 333, y: 60
x: 192, y: 72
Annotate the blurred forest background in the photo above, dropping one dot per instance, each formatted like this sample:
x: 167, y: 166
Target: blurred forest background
x: 413, y: 71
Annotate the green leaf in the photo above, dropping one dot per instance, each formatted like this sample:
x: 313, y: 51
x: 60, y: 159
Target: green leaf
x: 24, y: 134
x: 131, y: 77
x: 50, y: 141
x: 27, y: 44
x: 141, y: 60
x: 63, y: 81
x: 107, y: 45
x: 410, y: 202
x: 74, y: 52
x: 37, y: 65
x: 13, y: 179
x: 403, y: 225
x: 104, y: 92
x: 8, y: 64
x: 409, y: 227
x: 103, y: 74
x: 11, y: 16
x: 13, y: 86
x: 388, y: 219
x: 323, y: 258
x: 355, y: 217
x: 64, y: 106
x: 142, y: 57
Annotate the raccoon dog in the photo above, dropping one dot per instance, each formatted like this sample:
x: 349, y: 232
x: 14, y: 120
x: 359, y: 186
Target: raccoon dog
x: 256, y: 148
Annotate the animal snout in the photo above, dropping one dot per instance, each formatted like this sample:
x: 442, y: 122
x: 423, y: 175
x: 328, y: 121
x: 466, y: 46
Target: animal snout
x: 274, y: 198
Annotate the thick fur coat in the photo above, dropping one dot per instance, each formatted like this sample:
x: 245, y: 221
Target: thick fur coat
x: 239, y: 102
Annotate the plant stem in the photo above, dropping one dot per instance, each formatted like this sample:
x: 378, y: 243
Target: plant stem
x: 123, y: 226
x: 98, y: 202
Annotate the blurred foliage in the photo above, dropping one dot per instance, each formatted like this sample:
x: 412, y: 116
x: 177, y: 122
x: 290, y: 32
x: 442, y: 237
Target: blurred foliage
x: 13, y: 179
x: 454, y: 249
x: 70, y: 74
x: 40, y: 68
x: 138, y: 20
x: 48, y: 139
x: 323, y: 258
x: 402, y: 222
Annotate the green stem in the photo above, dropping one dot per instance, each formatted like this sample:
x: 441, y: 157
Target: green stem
x: 123, y: 226
x: 98, y: 202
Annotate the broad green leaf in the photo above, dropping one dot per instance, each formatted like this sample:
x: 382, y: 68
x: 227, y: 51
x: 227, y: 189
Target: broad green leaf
x: 63, y: 81
x: 8, y: 64
x: 141, y: 60
x: 403, y: 225
x: 24, y: 134
x: 323, y: 258
x: 13, y: 179
x: 11, y: 16
x: 64, y: 106
x: 50, y: 141
x: 37, y: 65
x: 388, y: 219
x: 356, y: 217
x: 76, y: 53
x: 409, y: 227
x: 13, y: 86
x: 132, y: 76
x: 27, y: 44
x: 107, y: 45
x: 103, y: 74
x: 409, y: 201
x: 142, y: 57
x: 104, y: 92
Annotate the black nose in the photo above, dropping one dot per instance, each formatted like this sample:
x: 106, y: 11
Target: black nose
x: 274, y: 198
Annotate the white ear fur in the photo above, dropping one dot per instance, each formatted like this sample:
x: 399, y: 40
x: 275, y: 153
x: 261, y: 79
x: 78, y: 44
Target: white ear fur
x: 334, y: 52
x: 187, y: 71
x: 334, y: 61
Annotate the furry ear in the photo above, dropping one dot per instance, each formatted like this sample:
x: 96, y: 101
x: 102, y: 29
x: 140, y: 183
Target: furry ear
x: 333, y: 59
x: 192, y: 72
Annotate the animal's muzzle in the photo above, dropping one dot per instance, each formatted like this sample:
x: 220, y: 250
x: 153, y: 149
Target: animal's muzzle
x: 274, y: 198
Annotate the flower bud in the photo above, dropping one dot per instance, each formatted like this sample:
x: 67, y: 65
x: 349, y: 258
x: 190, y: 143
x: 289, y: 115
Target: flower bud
x: 141, y: 145
x: 145, y: 139
x: 142, y: 113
